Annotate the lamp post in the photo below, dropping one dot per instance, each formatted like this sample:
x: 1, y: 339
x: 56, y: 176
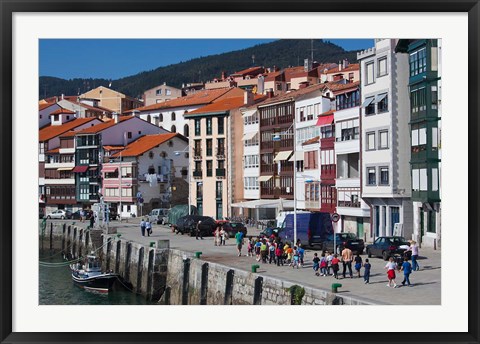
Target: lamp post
x: 178, y: 153
x: 277, y: 137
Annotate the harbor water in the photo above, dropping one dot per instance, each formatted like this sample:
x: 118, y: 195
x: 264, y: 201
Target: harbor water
x: 56, y: 286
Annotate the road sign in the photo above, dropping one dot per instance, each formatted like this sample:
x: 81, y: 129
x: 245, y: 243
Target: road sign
x: 335, y: 217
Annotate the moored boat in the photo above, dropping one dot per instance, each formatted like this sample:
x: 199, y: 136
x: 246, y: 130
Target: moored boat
x: 88, y: 275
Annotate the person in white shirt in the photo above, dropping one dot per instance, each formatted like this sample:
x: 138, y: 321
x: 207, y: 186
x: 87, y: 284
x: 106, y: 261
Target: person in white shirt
x: 391, y: 266
x: 414, y: 249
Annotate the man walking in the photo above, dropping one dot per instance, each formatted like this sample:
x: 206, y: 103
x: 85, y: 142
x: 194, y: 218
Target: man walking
x: 239, y: 241
x: 414, y: 249
x: 347, y: 257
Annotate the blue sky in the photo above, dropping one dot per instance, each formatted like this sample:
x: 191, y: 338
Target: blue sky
x: 117, y: 58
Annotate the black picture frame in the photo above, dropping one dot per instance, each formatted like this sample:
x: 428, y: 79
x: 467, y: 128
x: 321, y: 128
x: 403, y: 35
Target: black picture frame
x: 257, y: 333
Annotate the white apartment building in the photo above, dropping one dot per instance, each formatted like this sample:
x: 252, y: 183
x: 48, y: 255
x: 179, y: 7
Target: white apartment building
x: 385, y: 155
x: 251, y: 154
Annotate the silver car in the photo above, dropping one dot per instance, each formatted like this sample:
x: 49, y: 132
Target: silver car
x: 59, y: 214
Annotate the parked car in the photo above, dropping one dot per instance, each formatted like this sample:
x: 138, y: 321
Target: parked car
x: 188, y: 225
x: 343, y: 240
x: 76, y: 215
x: 270, y: 232
x: 233, y: 228
x: 60, y: 214
x: 388, y: 246
x: 312, y: 229
x: 158, y: 216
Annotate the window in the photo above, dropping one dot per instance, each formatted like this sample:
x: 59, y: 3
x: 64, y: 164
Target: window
x: 348, y: 100
x: 250, y: 183
x: 370, y: 143
x: 221, y: 125
x: 369, y: 74
x: 434, y: 97
x: 198, y: 166
x: 371, y: 176
x: 159, y: 92
x: 302, y: 114
x: 199, y: 189
x: 209, y: 126
x: 173, y: 129
x: 185, y: 130
x: 431, y: 224
x: 219, y: 189
x: 326, y: 131
x: 418, y: 100
x: 383, y: 175
x: 369, y: 106
x: 209, y: 168
x: 310, y: 113
x: 129, y: 135
x: 279, y: 86
x: 419, y: 137
x: 174, y: 116
x: 382, y: 103
x: 209, y: 147
x: 382, y: 66
x: 250, y: 161
x: 168, y: 92
x: 197, y: 127
x: 127, y: 172
x: 160, y: 117
x: 383, y: 139
x: 55, y: 117
x: 418, y: 62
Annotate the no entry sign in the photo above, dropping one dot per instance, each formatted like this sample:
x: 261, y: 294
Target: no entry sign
x: 335, y: 217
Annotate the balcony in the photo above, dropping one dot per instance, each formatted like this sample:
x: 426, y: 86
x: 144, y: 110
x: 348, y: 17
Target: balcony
x: 197, y: 154
x: 276, y: 193
x: 220, y: 172
x: 313, y: 205
x: 349, y: 204
x: 197, y: 174
x: 328, y: 172
x: 209, y: 173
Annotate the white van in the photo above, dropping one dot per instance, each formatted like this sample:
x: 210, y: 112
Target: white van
x: 158, y: 216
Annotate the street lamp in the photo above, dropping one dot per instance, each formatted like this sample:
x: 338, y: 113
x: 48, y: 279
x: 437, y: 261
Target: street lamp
x: 277, y: 137
x: 178, y: 153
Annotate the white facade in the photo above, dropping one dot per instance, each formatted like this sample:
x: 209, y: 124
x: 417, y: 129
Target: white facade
x: 386, y: 136
x: 43, y: 115
x: 251, y: 155
x: 127, y: 131
x: 171, y: 119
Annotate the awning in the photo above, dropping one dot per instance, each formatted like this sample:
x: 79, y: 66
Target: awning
x: 93, y: 168
x: 367, y: 102
x: 298, y: 155
x: 264, y: 178
x: 249, y: 136
x: 249, y: 113
x: 380, y: 97
x: 109, y: 169
x: 64, y: 169
x: 265, y: 203
x: 282, y: 156
x: 80, y: 169
x: 324, y: 120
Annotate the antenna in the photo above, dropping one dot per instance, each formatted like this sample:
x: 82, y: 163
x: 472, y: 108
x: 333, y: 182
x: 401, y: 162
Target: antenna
x: 311, y: 48
x: 253, y: 60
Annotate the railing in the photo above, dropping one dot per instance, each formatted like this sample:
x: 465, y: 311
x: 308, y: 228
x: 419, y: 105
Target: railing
x: 220, y: 172
x: 197, y: 154
x: 349, y: 204
x: 209, y: 173
x: 197, y: 174
x: 220, y: 153
x: 328, y: 171
x: 268, y: 168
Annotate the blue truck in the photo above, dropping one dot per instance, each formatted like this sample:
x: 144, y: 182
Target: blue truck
x: 312, y: 229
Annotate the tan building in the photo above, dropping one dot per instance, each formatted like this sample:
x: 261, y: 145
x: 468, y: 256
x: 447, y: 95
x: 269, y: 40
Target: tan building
x: 112, y: 100
x: 160, y: 94
x: 344, y: 70
x: 215, y: 146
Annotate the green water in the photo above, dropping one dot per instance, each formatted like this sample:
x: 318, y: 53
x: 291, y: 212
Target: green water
x: 56, y: 287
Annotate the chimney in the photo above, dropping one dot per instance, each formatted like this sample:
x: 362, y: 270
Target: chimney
x: 135, y: 113
x: 340, y: 65
x: 315, y: 64
x: 115, y: 117
x: 345, y: 63
x: 247, y: 98
x: 63, y: 97
x: 270, y: 93
x: 164, y: 83
x: 304, y: 84
x: 223, y: 75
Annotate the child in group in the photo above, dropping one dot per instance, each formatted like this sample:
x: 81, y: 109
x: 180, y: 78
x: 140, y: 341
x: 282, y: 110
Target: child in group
x: 390, y: 267
x: 263, y: 251
x: 296, y: 258
x: 258, y: 244
x: 279, y: 253
x: 366, y: 272
x: 358, y: 264
x: 323, y: 265
x: 289, y: 256
x: 301, y: 254
x: 316, y: 263
x: 250, y: 245
x: 407, y: 270
x: 329, y: 262
x: 335, y: 267
x: 271, y: 251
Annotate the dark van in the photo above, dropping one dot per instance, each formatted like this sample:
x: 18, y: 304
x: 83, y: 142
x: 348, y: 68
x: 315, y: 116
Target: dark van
x: 312, y: 229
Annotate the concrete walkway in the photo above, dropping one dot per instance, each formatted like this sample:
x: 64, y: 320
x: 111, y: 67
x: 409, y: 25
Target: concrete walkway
x: 426, y: 289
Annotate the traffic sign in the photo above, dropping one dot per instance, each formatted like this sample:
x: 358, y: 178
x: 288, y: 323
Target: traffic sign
x: 335, y: 217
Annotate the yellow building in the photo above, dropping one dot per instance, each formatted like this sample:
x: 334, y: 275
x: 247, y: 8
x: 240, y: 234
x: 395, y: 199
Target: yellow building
x: 112, y: 100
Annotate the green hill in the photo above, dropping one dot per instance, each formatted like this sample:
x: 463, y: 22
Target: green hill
x: 281, y: 53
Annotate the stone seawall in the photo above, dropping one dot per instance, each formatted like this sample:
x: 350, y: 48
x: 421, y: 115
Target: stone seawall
x: 174, y: 277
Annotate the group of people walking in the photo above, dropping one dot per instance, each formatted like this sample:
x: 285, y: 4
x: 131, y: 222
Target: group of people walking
x: 146, y: 227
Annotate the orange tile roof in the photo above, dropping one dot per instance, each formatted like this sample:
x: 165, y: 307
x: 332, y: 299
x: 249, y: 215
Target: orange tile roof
x: 70, y: 133
x: 293, y: 94
x: 105, y: 125
x: 53, y: 151
x: 224, y: 105
x: 350, y: 68
x: 329, y: 112
x: 145, y: 143
x: 316, y: 139
x: 197, y: 98
x: 109, y: 148
x: 248, y: 71
x: 335, y: 87
x: 62, y: 111
x: 43, y: 106
x: 52, y: 131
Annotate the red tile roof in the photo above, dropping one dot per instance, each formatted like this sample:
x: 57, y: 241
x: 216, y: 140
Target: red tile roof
x: 62, y: 111
x: 53, y: 151
x: 248, y: 71
x: 145, y: 143
x: 43, y: 106
x: 197, y: 98
x: 335, y: 87
x: 52, y: 131
x: 224, y: 105
x: 109, y: 148
x: 70, y: 133
x: 105, y: 125
x: 293, y: 94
